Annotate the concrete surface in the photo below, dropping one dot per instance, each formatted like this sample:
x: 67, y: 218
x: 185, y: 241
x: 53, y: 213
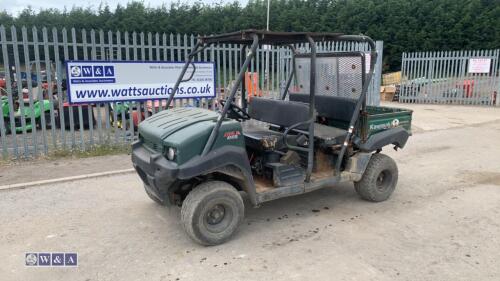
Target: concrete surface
x: 65, y: 179
x: 430, y: 117
x: 442, y: 223
x: 42, y: 169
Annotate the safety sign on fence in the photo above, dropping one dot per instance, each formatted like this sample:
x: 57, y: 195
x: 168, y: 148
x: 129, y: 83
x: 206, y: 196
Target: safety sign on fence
x: 479, y: 65
x: 106, y: 81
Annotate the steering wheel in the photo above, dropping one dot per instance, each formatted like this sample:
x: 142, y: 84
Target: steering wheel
x: 235, y: 112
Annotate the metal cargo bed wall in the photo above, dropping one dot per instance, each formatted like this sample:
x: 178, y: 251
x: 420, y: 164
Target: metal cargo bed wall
x: 38, y: 54
x: 454, y: 77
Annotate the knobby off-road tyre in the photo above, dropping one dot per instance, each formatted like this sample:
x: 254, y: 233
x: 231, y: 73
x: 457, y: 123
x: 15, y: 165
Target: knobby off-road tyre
x: 379, y: 180
x: 212, y: 212
x: 156, y: 200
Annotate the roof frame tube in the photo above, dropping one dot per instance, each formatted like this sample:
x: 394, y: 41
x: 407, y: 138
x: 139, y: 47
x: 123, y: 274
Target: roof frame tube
x: 189, y: 60
x: 229, y: 99
x: 292, y: 73
x: 312, y: 93
x: 362, y: 98
x: 243, y: 54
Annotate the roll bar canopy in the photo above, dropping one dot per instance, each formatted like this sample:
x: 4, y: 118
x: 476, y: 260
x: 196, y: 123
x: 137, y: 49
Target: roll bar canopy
x: 268, y: 37
x: 253, y: 38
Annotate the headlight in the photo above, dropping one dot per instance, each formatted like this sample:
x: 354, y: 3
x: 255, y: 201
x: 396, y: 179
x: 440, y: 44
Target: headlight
x: 171, y: 153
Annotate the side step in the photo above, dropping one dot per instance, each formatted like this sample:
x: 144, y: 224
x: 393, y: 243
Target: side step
x: 285, y: 175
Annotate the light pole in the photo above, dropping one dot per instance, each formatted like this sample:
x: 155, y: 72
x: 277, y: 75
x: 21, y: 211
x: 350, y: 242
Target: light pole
x: 268, y: 7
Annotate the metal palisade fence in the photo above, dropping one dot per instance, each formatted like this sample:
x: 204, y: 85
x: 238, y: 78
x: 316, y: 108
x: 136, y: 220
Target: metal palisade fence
x: 453, y: 77
x: 37, y: 118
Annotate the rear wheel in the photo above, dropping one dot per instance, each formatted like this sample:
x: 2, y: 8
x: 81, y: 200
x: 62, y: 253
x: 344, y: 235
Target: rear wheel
x: 212, y: 212
x: 379, y: 180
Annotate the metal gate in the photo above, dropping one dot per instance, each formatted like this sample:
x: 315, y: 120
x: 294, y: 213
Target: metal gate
x: 32, y: 81
x: 454, y: 77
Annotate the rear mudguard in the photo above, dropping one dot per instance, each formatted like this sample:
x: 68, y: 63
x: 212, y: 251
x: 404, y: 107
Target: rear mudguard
x: 396, y: 136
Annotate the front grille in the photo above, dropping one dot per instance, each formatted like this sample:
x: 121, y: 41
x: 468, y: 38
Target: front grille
x: 152, y: 145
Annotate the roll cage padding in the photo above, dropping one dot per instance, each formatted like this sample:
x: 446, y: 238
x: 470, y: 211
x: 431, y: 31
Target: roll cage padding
x: 279, y: 112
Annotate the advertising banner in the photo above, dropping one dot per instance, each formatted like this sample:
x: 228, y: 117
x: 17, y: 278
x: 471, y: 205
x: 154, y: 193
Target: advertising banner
x: 119, y: 81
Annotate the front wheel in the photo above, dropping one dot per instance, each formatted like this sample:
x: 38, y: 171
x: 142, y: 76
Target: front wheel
x: 379, y: 179
x: 212, y: 212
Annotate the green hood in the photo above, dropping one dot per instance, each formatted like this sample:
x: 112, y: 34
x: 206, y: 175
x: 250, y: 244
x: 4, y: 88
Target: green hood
x: 187, y: 131
x: 159, y: 126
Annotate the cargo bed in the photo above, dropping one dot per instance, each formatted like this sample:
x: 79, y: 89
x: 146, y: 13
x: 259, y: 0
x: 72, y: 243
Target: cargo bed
x: 380, y: 118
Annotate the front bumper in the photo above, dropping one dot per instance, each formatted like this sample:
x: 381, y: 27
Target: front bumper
x: 157, y: 173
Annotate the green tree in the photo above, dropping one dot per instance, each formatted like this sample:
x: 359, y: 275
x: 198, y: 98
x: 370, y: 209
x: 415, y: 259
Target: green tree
x: 403, y: 25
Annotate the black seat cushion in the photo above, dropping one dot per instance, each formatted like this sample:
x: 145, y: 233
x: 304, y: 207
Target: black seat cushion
x: 327, y: 134
x: 338, y: 108
x: 278, y: 112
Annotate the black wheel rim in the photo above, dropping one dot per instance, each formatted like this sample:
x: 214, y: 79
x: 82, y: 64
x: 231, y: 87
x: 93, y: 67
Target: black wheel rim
x: 383, y: 181
x: 218, y: 217
x: 216, y: 214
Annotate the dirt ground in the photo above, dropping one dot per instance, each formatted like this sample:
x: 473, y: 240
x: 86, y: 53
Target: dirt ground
x: 442, y: 223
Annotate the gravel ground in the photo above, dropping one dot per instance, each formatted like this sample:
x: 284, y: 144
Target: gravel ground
x: 442, y: 223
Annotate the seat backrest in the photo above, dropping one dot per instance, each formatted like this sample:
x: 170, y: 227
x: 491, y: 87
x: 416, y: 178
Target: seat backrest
x: 278, y: 112
x: 338, y: 108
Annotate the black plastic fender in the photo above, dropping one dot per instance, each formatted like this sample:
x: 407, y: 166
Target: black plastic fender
x: 397, y: 136
x: 218, y: 160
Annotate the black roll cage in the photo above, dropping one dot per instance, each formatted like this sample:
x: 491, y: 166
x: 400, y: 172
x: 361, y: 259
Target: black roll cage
x: 254, y: 38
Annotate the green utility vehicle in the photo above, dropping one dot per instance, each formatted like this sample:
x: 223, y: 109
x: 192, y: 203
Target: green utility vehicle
x: 318, y: 133
x: 23, y: 112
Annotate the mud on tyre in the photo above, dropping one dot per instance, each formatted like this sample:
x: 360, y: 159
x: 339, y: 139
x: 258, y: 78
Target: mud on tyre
x: 212, y: 212
x: 379, y: 180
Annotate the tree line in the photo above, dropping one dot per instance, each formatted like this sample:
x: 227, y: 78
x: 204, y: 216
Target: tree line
x: 403, y: 25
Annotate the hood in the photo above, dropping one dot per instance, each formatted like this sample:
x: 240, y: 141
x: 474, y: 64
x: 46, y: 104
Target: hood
x: 167, y: 122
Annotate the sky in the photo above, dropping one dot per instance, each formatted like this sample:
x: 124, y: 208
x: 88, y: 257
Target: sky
x: 15, y: 6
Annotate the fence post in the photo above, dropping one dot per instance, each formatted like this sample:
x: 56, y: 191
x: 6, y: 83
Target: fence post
x: 496, y: 76
x: 59, y: 78
x: 48, y: 73
x: 19, y: 87
x: 3, y: 125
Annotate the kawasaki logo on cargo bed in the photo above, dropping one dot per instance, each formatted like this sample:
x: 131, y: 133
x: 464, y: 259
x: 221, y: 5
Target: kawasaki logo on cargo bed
x: 384, y: 126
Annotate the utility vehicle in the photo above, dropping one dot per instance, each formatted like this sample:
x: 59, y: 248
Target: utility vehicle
x: 24, y: 108
x: 318, y: 135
